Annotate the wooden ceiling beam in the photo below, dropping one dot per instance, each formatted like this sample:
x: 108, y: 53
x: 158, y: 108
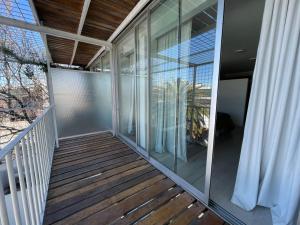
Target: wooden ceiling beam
x: 80, y: 26
x: 133, y: 13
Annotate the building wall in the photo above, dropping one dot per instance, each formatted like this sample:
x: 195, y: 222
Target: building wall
x: 232, y: 99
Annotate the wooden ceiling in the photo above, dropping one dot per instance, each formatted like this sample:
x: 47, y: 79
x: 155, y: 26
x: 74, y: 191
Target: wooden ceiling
x: 102, y: 18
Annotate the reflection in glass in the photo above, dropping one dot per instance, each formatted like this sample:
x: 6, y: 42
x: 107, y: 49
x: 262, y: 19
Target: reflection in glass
x: 141, y: 81
x: 164, y: 72
x: 126, y: 85
x: 181, y: 81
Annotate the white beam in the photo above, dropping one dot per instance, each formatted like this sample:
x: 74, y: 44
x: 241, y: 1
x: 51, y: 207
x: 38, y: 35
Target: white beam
x: 53, y: 32
x: 133, y: 13
x: 80, y: 26
x: 43, y: 36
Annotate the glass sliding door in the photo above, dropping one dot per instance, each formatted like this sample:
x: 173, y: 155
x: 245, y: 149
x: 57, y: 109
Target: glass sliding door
x: 167, y: 88
x: 196, y: 63
x: 126, y: 87
x: 164, y: 71
x: 133, y: 84
x: 183, y: 34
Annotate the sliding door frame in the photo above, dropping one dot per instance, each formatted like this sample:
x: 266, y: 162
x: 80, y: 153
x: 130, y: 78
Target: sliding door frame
x: 132, y: 28
x: 145, y: 15
x: 214, y: 95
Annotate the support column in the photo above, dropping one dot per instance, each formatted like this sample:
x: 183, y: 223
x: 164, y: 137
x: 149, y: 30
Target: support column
x: 114, y: 90
x: 51, y: 100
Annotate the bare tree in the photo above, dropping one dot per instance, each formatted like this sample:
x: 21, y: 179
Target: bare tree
x: 23, y: 92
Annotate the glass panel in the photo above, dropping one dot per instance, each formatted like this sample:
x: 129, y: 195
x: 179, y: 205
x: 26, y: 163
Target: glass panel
x: 181, y: 82
x: 164, y: 72
x: 126, y: 64
x: 196, y: 61
x: 142, y: 78
x: 83, y: 101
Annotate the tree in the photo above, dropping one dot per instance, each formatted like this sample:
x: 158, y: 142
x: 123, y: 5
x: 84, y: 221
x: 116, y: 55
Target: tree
x: 23, y: 91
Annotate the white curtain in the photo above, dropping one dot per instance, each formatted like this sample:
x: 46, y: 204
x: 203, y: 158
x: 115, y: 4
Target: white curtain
x: 164, y: 104
x: 131, y: 89
x: 269, y: 168
x: 166, y: 95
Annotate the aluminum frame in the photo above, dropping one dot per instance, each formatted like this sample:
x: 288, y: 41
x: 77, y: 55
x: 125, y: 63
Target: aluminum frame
x: 131, y: 28
x: 214, y: 93
x: 202, y: 196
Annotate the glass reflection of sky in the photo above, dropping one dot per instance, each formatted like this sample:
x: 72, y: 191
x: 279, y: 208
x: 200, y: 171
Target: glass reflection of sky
x: 197, y: 51
x: 200, y: 49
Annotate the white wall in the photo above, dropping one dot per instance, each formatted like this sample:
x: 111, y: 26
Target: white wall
x: 232, y: 99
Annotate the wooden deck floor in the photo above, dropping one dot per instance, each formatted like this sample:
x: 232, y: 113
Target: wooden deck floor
x: 97, y: 179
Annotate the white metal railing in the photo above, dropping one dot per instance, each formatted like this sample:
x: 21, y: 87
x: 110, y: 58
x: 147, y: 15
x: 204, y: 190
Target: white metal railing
x: 27, y: 159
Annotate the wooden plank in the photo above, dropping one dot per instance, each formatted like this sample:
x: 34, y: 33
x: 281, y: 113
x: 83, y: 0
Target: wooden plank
x: 100, y: 155
x: 145, y: 209
x: 95, y: 185
x: 83, y: 140
x: 117, y: 210
x: 189, y: 214
x: 109, y: 192
x: 89, y: 180
x: 121, y: 189
x: 80, y: 143
x: 169, y: 210
x: 57, y: 204
x: 75, y: 218
x: 91, y: 162
x: 208, y: 218
x: 63, y: 177
x: 76, y: 152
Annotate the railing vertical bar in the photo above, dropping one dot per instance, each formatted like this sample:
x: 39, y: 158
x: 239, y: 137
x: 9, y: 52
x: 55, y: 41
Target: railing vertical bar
x: 45, y: 153
x: 46, y: 147
x: 22, y: 185
x: 3, y: 208
x: 28, y: 182
x: 42, y: 155
x: 36, y: 172
x: 13, y: 188
x: 39, y: 166
x: 34, y: 189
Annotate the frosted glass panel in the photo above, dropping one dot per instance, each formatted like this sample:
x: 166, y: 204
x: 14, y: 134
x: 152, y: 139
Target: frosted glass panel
x: 83, y: 101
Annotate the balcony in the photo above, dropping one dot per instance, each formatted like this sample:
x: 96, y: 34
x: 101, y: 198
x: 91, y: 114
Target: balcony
x: 91, y: 179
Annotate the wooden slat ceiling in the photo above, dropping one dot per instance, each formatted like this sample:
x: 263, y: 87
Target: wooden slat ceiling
x: 103, y: 17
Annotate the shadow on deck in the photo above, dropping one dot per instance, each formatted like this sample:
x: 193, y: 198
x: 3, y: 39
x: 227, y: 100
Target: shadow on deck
x: 97, y: 179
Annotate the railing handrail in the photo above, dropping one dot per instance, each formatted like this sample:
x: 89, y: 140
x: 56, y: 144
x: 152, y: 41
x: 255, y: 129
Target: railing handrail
x: 10, y: 146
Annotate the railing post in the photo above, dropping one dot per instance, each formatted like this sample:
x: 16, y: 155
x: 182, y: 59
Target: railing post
x: 3, y: 211
x: 32, y: 178
x: 36, y: 172
x: 113, y: 90
x: 51, y: 99
x: 28, y: 183
x: 22, y: 185
x: 39, y: 162
x: 13, y: 189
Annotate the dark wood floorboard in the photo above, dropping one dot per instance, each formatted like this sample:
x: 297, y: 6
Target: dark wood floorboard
x: 97, y: 179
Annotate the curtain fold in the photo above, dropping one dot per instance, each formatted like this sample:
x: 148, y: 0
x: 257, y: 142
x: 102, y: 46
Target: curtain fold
x: 269, y: 167
x: 131, y: 100
x: 167, y: 89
